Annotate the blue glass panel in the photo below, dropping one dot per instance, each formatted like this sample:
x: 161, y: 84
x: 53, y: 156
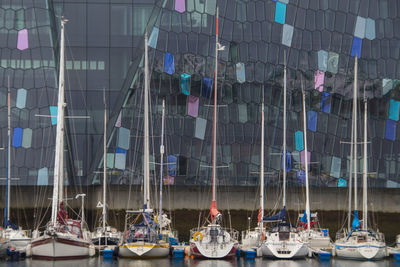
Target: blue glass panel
x: 123, y: 138
x: 200, y: 130
x: 370, y: 29
x: 394, y: 108
x: 312, y: 117
x: 240, y: 72
x: 207, y: 87
x: 17, y: 137
x: 322, y: 60
x: 120, y: 150
x: 390, y: 132
x: 169, y: 64
x: 43, y: 176
x: 172, y: 160
x: 53, y: 114
x: 301, y: 177
x: 280, y: 12
x: 287, y: 35
x: 299, y: 140
x: 21, y: 98
x: 356, y: 48
x: 120, y: 161
x: 335, y: 167
x: 288, y: 161
x: 326, y: 102
x: 153, y: 38
x: 359, y: 30
x: 185, y: 83
x: 342, y: 182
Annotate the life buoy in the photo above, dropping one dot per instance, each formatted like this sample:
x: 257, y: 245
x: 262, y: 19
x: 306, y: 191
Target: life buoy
x: 198, y: 234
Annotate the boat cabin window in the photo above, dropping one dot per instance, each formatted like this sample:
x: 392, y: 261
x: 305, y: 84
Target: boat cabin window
x: 73, y: 229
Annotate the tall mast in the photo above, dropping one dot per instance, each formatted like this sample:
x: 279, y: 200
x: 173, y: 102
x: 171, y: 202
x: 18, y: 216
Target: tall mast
x: 262, y: 164
x: 104, y: 163
x: 306, y: 163
x: 59, y: 159
x: 7, y: 209
x: 146, y: 186
x: 284, y: 135
x: 214, y: 166
x: 350, y: 176
x: 365, y: 183
x: 161, y: 164
x: 355, y: 131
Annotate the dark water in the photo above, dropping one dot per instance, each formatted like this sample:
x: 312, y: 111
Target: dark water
x: 259, y: 262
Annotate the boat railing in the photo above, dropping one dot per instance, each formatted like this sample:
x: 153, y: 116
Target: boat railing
x: 198, y: 232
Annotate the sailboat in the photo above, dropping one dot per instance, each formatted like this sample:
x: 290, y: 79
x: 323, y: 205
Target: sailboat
x: 105, y: 236
x: 283, y: 241
x: 251, y: 239
x: 316, y: 237
x: 63, y: 238
x: 213, y: 241
x: 17, y: 237
x: 360, y: 243
x: 142, y: 240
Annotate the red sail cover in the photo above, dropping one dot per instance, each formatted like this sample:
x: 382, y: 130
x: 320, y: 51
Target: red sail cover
x: 259, y: 217
x: 213, y: 210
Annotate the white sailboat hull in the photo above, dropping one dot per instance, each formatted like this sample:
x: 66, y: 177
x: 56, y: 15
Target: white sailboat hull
x: 362, y: 251
x: 284, y: 250
x: 144, y: 250
x: 398, y: 241
x: 61, y: 247
x: 213, y: 250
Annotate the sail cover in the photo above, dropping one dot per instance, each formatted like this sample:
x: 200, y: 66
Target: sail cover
x: 280, y: 216
x: 356, y: 221
x: 213, y: 210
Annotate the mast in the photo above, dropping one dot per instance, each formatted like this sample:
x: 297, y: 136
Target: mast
x: 355, y: 131
x: 162, y: 165
x: 214, y: 166
x: 365, y: 182
x: 262, y: 165
x: 146, y: 186
x: 284, y: 134
x: 7, y: 209
x: 350, y: 176
x: 58, y: 161
x: 306, y: 163
x: 104, y: 163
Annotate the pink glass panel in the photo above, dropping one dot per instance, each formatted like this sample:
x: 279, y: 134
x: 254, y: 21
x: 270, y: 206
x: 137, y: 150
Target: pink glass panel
x: 319, y: 80
x: 180, y: 6
x: 22, y: 42
x: 303, y: 159
x: 193, y: 106
x: 118, y: 122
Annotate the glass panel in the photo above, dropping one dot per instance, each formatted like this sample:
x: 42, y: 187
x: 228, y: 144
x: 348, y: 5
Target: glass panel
x: 22, y: 43
x: 287, y: 35
x: 387, y: 85
x: 169, y: 64
x: 27, y: 138
x: 21, y: 98
x: 319, y: 77
x: 335, y: 167
x: 370, y: 29
x: 193, y: 106
x: 240, y: 73
x: 280, y: 12
x: 171, y: 166
x: 242, y: 113
x: 110, y: 160
x: 153, y: 38
x: 180, y: 6
x: 342, y: 182
x: 333, y: 62
x: 390, y: 132
x: 43, y: 176
x: 211, y: 6
x: 322, y: 60
x: 17, y: 137
x: 312, y: 120
x: 303, y: 159
x: 53, y: 114
x: 326, y: 102
x: 207, y: 87
x: 185, y: 83
x: 298, y: 136
x: 356, y: 48
x: 123, y: 138
x: 120, y: 160
x: 200, y: 130
x: 359, y: 31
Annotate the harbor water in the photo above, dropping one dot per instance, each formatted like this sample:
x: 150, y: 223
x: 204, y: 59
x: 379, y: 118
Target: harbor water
x: 258, y: 262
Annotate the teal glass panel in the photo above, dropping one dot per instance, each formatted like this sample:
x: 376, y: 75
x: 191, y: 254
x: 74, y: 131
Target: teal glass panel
x: 342, y: 182
x: 53, y: 114
x: 153, y: 38
x: 242, y: 113
x: 333, y: 62
x: 123, y: 138
x: 359, y: 30
x: 394, y: 107
x: 335, y: 167
x: 299, y: 140
x: 200, y: 130
x: 211, y: 6
x: 185, y: 83
x: 120, y: 161
x: 43, y: 176
x: 240, y: 73
x: 387, y: 85
x: 370, y: 29
x: 280, y: 12
x: 27, y: 138
x: 322, y: 60
x: 287, y: 35
x: 21, y: 98
x: 110, y: 160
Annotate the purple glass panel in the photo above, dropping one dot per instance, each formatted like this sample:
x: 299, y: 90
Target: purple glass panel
x: 22, y: 42
x: 390, y: 132
x: 193, y: 106
x: 303, y: 159
x: 319, y: 78
x: 180, y: 6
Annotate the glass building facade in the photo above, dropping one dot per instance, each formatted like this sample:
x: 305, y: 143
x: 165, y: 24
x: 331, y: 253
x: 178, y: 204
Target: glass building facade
x: 104, y: 55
